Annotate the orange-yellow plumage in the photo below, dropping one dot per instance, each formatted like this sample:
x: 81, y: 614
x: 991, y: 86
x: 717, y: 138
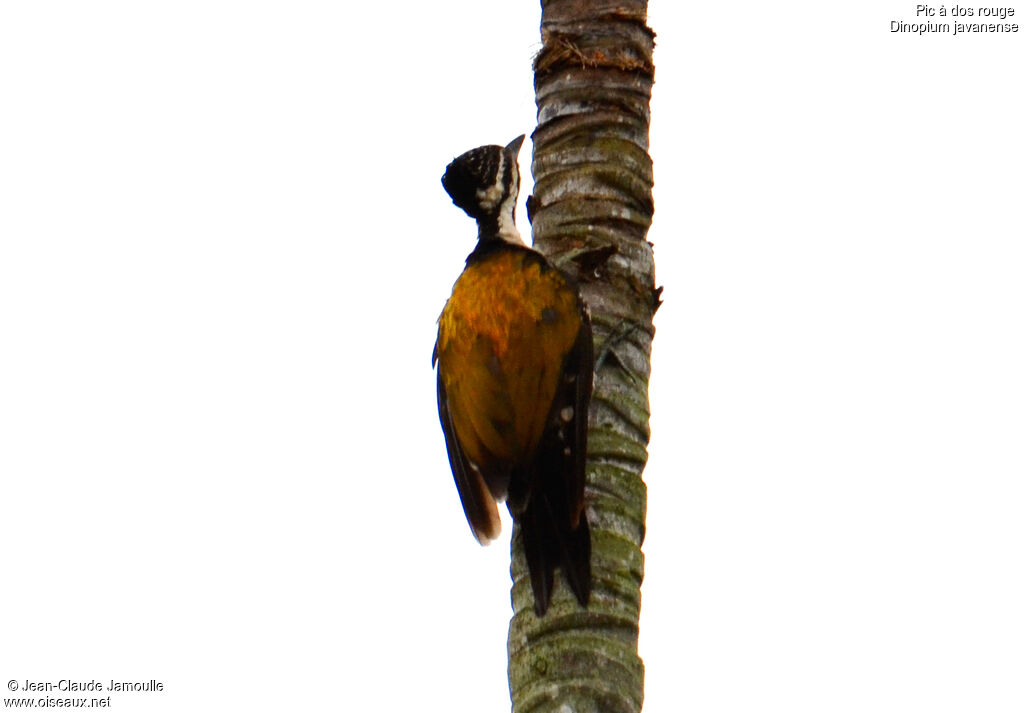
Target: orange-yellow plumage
x: 503, y: 336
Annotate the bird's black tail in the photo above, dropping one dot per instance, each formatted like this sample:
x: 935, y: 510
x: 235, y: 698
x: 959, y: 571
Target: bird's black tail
x: 549, y: 542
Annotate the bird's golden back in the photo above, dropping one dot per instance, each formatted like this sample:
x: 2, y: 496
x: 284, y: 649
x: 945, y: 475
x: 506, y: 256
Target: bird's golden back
x: 502, y: 340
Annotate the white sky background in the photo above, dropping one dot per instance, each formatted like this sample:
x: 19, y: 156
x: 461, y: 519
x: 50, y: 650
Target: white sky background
x: 223, y: 248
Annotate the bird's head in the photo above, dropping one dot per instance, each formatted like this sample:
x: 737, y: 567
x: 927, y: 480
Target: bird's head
x: 484, y: 182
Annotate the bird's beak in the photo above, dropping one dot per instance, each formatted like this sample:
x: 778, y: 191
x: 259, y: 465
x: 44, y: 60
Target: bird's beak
x: 515, y: 144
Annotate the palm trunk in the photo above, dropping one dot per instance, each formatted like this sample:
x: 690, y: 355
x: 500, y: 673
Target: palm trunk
x: 592, y: 199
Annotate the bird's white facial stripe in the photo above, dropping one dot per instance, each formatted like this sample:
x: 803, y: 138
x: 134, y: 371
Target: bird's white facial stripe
x: 506, y: 216
x: 507, y: 223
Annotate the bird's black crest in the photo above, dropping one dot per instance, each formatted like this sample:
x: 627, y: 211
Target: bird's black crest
x: 470, y: 175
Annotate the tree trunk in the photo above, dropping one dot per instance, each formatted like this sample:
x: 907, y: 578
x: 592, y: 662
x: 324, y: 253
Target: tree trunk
x: 591, y: 210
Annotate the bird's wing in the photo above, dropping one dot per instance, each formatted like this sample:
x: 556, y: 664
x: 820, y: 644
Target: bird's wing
x: 480, y: 507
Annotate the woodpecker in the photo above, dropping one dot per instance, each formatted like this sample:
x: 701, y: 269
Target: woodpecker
x: 515, y: 362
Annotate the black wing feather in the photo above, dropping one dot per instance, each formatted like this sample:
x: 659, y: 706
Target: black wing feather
x: 554, y: 523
